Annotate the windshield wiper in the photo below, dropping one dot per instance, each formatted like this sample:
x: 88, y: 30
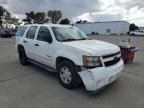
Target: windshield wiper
x: 68, y: 40
x: 75, y: 39
x: 84, y: 39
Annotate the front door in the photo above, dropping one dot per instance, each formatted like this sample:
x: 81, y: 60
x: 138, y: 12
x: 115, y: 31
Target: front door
x: 44, y: 50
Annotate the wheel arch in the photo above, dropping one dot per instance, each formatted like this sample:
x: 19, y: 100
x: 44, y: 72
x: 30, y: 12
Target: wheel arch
x: 19, y: 47
x: 60, y: 59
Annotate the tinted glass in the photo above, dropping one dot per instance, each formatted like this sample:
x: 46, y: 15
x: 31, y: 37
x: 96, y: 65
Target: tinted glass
x: 31, y: 32
x: 21, y: 31
x: 43, y: 32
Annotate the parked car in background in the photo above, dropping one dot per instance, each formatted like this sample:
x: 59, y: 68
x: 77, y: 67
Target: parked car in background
x: 13, y: 32
x: 7, y: 32
x: 136, y: 33
x: 69, y: 52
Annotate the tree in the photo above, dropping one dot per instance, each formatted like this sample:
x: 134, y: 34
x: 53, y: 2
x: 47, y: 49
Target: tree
x: 79, y: 22
x: 65, y: 21
x: 85, y: 21
x: 133, y: 27
x: 55, y: 15
x: 30, y: 17
x: 15, y: 21
x: 46, y: 20
x: 1, y: 11
x: 39, y: 17
x: 7, y: 15
x: 1, y: 15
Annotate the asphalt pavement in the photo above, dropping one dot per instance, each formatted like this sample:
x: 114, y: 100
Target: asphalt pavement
x: 33, y: 87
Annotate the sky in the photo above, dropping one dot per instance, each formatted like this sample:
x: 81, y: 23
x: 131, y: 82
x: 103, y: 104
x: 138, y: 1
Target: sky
x: 91, y: 10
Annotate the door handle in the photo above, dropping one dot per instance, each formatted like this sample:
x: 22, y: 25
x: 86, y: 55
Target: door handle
x: 36, y: 44
x: 25, y: 41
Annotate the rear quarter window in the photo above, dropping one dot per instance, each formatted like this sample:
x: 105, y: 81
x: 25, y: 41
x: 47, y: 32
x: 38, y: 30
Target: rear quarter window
x: 20, y: 32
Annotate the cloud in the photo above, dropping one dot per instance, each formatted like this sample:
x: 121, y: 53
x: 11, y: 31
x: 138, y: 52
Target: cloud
x: 23, y: 6
x: 91, y: 10
x: 3, y: 2
x: 128, y: 4
x: 70, y: 8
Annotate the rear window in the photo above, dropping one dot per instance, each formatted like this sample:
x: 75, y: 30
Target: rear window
x: 21, y: 31
x: 31, y: 32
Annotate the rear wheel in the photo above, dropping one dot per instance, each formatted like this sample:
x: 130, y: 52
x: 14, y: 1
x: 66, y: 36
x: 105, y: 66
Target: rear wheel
x: 68, y: 75
x: 22, y: 56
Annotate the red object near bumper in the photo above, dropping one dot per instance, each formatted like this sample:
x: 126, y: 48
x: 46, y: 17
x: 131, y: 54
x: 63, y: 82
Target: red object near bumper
x: 127, y: 54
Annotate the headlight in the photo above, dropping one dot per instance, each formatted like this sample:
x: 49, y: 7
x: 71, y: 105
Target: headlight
x: 91, y: 61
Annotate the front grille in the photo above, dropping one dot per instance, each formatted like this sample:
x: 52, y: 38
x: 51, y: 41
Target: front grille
x: 112, y: 62
x: 110, y: 55
x: 111, y: 59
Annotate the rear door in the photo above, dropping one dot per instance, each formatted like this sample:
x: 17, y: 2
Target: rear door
x: 44, y: 50
x: 28, y: 41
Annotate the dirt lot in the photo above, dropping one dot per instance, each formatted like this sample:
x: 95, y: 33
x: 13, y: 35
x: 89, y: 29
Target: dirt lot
x: 33, y: 87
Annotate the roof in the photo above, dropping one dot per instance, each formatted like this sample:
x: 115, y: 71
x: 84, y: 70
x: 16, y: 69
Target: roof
x: 103, y: 22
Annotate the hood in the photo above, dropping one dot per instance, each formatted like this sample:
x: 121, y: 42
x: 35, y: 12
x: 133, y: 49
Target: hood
x: 96, y: 47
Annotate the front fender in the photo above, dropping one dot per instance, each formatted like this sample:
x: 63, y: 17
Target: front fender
x: 77, y: 59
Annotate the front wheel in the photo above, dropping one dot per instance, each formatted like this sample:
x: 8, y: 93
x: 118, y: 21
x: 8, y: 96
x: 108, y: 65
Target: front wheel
x: 68, y: 75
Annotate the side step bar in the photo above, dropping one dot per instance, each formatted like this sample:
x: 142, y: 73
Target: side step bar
x: 42, y: 65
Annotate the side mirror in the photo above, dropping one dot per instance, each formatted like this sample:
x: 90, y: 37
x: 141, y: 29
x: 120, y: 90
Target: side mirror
x: 47, y: 39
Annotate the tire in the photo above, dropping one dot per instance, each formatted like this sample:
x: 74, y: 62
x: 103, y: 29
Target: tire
x: 22, y: 56
x: 72, y: 79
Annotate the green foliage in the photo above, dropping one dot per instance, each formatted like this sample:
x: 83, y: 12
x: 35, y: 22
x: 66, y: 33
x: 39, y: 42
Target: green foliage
x: 5, y: 17
x: 1, y: 14
x: 133, y: 27
x: 65, y: 21
x: 14, y: 20
x: 1, y: 23
x: 32, y: 17
x: 81, y: 21
x: 39, y: 17
x: 85, y: 21
x: 55, y: 15
x: 1, y: 11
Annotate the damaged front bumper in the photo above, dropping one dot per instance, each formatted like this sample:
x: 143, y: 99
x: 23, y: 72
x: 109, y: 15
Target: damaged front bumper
x: 97, y: 78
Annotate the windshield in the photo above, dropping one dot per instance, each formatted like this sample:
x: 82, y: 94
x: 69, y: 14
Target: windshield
x: 68, y: 34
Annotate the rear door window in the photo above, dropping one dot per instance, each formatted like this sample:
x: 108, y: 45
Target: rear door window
x: 31, y: 32
x: 21, y: 31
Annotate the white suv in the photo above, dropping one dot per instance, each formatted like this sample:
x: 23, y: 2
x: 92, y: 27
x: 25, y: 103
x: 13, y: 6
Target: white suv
x: 69, y: 52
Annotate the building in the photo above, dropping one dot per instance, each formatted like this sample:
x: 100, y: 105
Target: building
x: 105, y: 28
